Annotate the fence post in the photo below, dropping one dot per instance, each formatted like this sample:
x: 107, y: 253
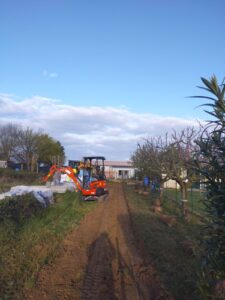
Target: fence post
x: 176, y: 192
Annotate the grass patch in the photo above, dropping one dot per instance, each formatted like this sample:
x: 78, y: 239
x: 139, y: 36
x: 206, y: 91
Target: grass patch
x: 195, y: 198
x: 167, y: 247
x: 27, y: 243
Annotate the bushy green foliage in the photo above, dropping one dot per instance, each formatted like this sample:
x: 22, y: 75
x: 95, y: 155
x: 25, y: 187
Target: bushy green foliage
x: 210, y: 163
x: 19, y: 208
x: 49, y: 149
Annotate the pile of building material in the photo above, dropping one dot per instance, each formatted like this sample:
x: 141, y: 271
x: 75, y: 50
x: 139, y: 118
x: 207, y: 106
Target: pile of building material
x: 44, y: 194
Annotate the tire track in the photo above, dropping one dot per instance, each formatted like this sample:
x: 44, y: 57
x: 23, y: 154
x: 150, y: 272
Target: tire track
x: 100, y: 260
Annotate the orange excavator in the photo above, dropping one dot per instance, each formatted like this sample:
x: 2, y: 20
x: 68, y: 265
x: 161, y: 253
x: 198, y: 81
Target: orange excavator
x: 89, y: 176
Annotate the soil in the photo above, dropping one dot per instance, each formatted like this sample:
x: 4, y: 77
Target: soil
x: 100, y: 260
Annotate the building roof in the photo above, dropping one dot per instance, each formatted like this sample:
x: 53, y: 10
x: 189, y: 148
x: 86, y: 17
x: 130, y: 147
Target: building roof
x: 111, y: 163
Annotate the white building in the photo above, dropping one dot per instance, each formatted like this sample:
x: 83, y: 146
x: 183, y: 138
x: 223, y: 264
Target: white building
x: 119, y: 169
x: 3, y: 164
x: 171, y: 184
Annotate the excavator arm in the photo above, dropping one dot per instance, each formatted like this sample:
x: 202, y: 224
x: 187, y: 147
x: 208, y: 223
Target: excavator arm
x: 65, y: 170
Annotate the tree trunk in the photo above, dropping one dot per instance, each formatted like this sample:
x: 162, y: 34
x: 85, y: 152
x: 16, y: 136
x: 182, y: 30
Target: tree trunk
x: 33, y: 162
x: 157, y: 207
x: 28, y: 161
x: 161, y: 192
x: 184, y: 200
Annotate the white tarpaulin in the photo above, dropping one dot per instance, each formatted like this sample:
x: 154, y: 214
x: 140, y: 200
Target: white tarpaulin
x: 41, y: 193
x: 63, y: 187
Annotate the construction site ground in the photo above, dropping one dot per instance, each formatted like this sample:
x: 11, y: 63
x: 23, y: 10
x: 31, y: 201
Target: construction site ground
x: 100, y: 260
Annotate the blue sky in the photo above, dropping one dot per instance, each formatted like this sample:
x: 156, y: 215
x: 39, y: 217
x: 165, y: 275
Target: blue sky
x: 136, y: 57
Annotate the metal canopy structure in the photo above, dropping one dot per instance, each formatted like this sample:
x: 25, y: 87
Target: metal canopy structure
x: 94, y: 157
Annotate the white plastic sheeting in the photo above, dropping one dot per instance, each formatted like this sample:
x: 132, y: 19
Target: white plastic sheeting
x: 63, y: 187
x: 43, y: 194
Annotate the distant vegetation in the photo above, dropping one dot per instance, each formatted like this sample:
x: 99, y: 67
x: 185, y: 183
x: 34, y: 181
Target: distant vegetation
x: 10, y: 177
x: 28, y: 147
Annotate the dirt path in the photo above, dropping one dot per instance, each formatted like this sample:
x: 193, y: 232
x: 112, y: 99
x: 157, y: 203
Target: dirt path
x: 99, y: 260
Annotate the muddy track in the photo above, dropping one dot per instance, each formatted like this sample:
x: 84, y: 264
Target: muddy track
x: 100, y: 260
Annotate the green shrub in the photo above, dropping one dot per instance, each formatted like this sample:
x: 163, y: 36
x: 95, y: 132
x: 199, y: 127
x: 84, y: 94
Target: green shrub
x: 19, y: 208
x: 211, y: 166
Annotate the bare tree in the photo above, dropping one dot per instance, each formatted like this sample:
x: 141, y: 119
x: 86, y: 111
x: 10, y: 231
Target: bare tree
x: 9, y: 134
x: 151, y: 159
x: 182, y: 150
x: 27, y: 147
x: 24, y: 145
x: 168, y: 157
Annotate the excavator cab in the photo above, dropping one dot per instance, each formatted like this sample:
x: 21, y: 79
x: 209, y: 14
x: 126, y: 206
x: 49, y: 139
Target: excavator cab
x: 94, y: 177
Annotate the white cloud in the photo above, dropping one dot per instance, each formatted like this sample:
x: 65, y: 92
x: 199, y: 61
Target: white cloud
x: 48, y: 74
x: 53, y: 75
x: 110, y: 131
